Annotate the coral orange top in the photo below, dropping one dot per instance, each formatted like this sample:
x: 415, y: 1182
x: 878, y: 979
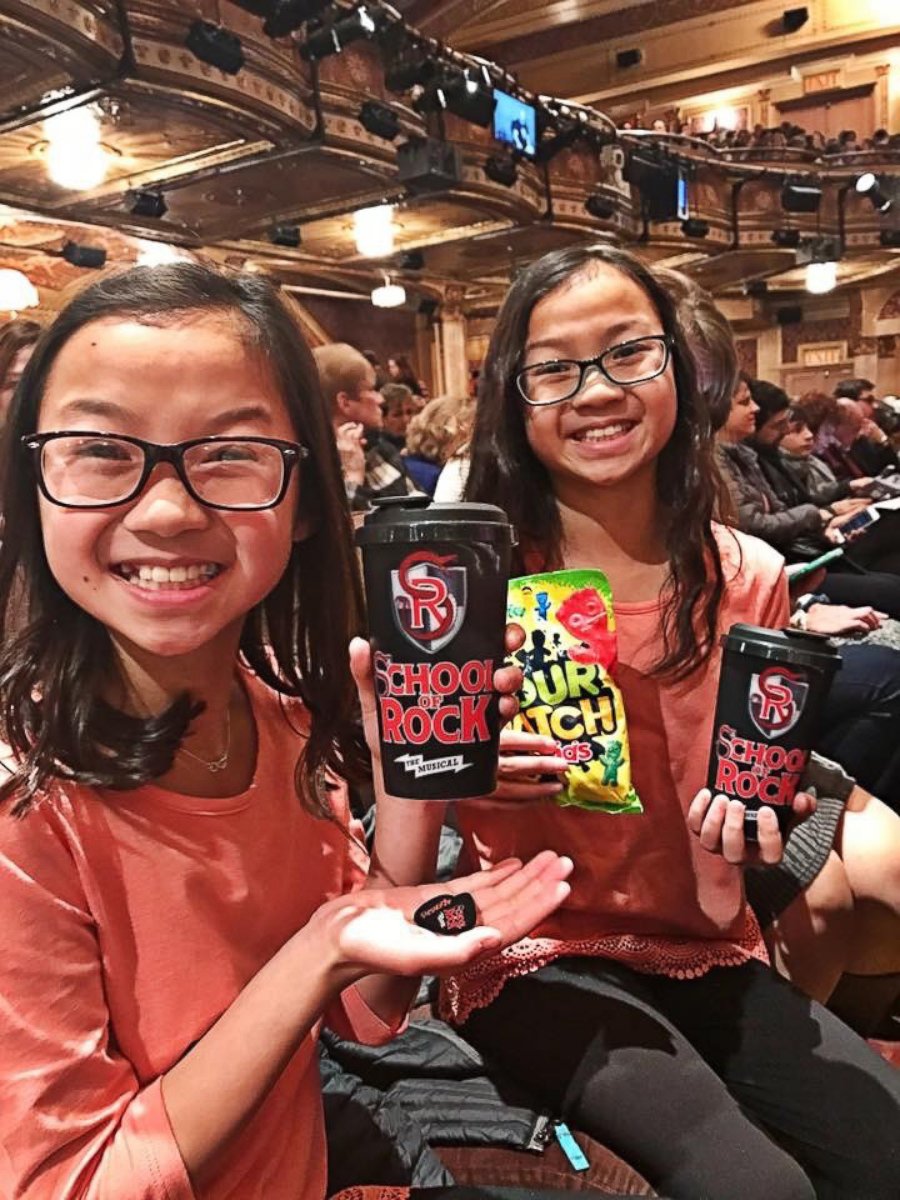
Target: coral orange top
x: 131, y: 920
x: 644, y: 891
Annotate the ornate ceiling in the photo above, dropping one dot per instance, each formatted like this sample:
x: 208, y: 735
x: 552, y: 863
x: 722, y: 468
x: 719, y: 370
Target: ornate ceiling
x: 280, y: 142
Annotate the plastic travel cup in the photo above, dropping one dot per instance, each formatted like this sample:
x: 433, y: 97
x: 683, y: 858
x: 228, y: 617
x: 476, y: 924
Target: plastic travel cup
x: 435, y: 578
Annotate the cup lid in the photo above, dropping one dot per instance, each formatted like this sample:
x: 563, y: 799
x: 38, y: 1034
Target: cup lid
x: 799, y: 646
x: 417, y: 518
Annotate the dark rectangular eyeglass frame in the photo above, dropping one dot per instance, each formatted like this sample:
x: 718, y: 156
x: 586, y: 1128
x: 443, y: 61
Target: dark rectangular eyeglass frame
x: 156, y: 452
x: 584, y: 363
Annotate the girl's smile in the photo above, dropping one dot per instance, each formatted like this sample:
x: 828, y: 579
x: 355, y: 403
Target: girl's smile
x: 163, y: 572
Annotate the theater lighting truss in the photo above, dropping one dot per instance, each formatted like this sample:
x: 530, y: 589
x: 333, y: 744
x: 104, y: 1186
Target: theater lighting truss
x: 281, y: 17
x: 874, y: 188
x: 501, y: 168
x: 466, y: 92
x: 378, y: 119
x: 215, y: 46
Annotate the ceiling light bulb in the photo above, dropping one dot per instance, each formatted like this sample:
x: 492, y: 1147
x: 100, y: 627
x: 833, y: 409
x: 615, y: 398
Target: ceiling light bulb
x: 866, y: 182
x: 821, y: 277
x: 16, y: 291
x: 75, y: 157
x: 389, y: 295
x: 374, y: 230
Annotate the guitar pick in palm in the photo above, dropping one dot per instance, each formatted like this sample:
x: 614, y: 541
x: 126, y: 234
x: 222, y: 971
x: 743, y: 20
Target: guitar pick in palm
x: 447, y: 914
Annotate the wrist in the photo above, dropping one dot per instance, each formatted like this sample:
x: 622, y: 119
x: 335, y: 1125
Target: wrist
x: 321, y: 938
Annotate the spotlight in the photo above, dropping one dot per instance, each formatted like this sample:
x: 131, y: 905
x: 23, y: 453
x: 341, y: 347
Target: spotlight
x: 379, y: 120
x: 412, y: 260
x: 283, y: 16
x: 693, y: 227
x: 84, y: 256
x: 427, y: 165
x: 331, y: 39
x: 465, y: 93
x: 821, y: 277
x: 600, y: 206
x: 869, y: 185
x: 890, y: 238
x: 285, y: 235
x: 793, y: 19
x: 801, y: 198
x: 657, y: 181
x: 501, y: 169
x: 786, y: 239
x: 147, y: 202
x: 414, y: 66
x: 629, y: 58
x: 216, y: 46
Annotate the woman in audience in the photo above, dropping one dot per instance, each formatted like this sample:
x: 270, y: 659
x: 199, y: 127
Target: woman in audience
x: 434, y: 435
x: 660, y: 1028
x: 400, y: 370
x: 175, y: 693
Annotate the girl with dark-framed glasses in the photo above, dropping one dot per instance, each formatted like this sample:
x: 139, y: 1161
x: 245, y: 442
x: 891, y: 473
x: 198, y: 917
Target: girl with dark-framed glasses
x: 643, y: 1009
x: 182, y: 893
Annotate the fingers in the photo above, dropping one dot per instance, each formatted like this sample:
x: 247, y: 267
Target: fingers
x: 507, y: 680
x: 531, y: 764
x: 530, y: 743
x: 514, y: 637
x: 697, y: 810
x: 733, y: 844
x: 509, y: 791
x: 803, y: 805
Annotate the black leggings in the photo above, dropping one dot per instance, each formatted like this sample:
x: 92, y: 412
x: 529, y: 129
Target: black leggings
x: 686, y: 1079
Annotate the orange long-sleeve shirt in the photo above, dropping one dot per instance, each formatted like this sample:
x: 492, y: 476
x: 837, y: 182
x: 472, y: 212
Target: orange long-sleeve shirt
x: 644, y: 891
x: 131, y: 920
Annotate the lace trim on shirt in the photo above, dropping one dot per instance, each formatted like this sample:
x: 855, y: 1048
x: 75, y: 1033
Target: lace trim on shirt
x: 370, y: 1192
x: 678, y: 958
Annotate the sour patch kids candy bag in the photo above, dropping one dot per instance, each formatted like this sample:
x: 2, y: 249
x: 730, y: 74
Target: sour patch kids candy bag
x: 569, y: 694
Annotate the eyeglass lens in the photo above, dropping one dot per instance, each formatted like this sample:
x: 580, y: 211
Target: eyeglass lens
x: 632, y: 362
x: 104, y: 470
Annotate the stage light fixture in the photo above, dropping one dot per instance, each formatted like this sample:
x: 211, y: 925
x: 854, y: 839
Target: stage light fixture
x: 890, y: 238
x: 870, y: 185
x: 284, y: 16
x: 84, y: 256
x: 694, y: 227
x: 414, y: 66
x: 216, y: 46
x: 801, y: 197
x: 786, y: 239
x: 793, y: 19
x: 332, y: 38
x: 467, y: 93
x: 148, y: 202
x: 379, y: 120
x: 600, y: 207
x: 501, y: 169
x: 657, y: 181
x: 285, y: 235
x: 629, y: 58
x: 412, y: 260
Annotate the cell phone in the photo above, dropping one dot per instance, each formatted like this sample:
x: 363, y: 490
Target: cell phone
x: 861, y: 520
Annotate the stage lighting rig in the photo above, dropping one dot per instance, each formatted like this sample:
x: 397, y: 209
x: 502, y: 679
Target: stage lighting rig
x: 215, y: 46
x: 281, y: 17
x: 694, y: 227
x: 379, y: 120
x: 79, y: 255
x: 464, y: 91
x: 148, y: 202
x: 800, y: 197
x: 332, y: 37
x: 501, y: 168
x: 285, y: 235
x: 600, y: 207
x: 870, y: 185
x: 413, y: 65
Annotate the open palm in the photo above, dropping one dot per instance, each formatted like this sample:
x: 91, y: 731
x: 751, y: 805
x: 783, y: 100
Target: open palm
x: 376, y: 933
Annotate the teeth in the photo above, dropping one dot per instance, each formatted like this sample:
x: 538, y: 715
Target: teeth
x: 154, y: 577
x: 608, y: 431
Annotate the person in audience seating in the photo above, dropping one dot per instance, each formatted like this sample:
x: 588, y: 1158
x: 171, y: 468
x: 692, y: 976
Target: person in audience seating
x: 400, y: 370
x: 800, y: 531
x: 842, y: 442
x: 880, y: 422
x: 660, y: 1028
x: 433, y: 437
x: 371, y: 466
x: 803, y: 465
x: 399, y: 405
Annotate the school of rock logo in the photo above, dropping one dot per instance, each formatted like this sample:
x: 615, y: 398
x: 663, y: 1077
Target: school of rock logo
x: 429, y: 599
x: 776, y: 700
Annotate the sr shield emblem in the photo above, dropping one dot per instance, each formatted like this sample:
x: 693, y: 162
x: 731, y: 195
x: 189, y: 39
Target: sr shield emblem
x: 776, y: 700
x: 429, y: 599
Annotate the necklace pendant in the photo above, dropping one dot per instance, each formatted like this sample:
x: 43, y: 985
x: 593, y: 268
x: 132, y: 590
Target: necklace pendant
x: 218, y: 765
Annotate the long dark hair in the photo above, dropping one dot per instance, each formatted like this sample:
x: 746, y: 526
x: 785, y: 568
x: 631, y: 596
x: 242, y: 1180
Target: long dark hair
x: 505, y: 471
x: 54, y: 656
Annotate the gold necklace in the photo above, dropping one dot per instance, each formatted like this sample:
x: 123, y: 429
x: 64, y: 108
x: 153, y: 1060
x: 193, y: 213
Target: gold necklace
x: 216, y: 764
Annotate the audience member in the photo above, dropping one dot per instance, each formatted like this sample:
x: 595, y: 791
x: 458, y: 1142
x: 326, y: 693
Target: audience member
x: 811, y: 473
x: 400, y: 370
x: 17, y: 341
x: 874, y: 411
x: 375, y: 363
x: 845, y: 445
x: 434, y: 435
x: 596, y: 473
x: 398, y: 405
x: 371, y: 466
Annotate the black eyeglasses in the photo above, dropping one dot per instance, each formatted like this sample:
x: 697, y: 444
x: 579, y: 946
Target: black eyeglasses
x: 84, y: 469
x: 636, y: 361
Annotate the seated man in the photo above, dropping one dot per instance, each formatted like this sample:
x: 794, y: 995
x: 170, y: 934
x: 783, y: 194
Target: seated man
x: 371, y: 466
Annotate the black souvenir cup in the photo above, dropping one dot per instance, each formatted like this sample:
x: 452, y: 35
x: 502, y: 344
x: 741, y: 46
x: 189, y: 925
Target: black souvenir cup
x: 771, y: 691
x: 436, y: 577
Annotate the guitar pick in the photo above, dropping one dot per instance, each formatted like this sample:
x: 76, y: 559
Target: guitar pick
x: 447, y: 914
